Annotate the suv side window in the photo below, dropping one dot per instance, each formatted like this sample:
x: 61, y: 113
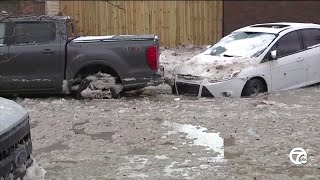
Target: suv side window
x: 33, y: 32
x: 310, y: 37
x: 288, y: 44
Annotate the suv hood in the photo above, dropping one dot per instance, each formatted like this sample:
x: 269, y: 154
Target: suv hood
x: 11, y: 114
x: 209, y: 66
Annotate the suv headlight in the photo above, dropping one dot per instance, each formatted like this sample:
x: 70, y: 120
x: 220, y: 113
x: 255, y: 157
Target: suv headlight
x: 225, y: 77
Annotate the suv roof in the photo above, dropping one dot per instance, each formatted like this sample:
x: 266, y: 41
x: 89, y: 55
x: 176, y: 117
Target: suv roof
x: 277, y: 27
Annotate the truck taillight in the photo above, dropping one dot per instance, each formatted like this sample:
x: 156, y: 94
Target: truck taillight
x: 152, y: 57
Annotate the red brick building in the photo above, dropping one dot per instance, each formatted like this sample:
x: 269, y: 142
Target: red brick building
x: 237, y: 14
x: 35, y: 7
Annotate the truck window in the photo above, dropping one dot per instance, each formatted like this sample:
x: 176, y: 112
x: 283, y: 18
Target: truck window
x: 72, y: 29
x: 34, y: 32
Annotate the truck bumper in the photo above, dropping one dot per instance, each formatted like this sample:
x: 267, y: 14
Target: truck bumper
x: 158, y: 77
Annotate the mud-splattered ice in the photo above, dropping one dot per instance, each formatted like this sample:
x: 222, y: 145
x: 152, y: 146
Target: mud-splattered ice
x: 159, y: 136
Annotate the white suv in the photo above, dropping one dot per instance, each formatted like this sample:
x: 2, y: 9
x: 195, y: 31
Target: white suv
x: 254, y: 59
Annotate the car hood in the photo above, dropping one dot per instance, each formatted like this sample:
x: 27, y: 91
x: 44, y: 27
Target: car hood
x: 11, y: 114
x: 209, y: 66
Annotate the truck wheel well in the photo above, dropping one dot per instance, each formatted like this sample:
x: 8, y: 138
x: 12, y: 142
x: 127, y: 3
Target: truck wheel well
x: 93, y: 69
x: 262, y: 80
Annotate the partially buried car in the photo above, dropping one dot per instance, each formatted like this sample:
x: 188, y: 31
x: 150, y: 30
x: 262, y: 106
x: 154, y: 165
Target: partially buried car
x: 255, y: 59
x: 15, y: 140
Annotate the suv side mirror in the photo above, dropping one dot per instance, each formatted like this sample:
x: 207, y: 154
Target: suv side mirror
x: 273, y: 55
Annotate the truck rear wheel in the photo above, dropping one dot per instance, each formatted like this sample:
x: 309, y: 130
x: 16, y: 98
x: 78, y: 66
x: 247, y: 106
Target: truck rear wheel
x: 99, y: 86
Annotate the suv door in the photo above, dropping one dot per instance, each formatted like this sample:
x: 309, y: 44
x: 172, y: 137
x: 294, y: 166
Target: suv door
x: 36, y: 62
x: 290, y: 69
x: 311, y: 46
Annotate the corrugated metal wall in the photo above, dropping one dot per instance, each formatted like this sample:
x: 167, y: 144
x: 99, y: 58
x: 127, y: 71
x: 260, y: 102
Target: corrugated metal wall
x: 176, y: 22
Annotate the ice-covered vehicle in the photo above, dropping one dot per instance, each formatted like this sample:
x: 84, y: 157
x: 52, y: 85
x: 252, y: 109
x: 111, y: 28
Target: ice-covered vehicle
x: 255, y: 59
x: 15, y: 140
x: 46, y: 55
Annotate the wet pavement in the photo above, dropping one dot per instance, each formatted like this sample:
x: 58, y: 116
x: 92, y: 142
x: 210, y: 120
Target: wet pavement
x: 161, y: 136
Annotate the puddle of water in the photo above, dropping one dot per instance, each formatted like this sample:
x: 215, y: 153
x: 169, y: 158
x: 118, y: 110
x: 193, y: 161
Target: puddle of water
x: 107, y: 136
x: 229, y: 141
x: 212, y: 141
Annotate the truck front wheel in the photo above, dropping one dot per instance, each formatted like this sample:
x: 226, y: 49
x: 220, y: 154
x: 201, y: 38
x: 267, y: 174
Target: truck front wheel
x: 99, y: 86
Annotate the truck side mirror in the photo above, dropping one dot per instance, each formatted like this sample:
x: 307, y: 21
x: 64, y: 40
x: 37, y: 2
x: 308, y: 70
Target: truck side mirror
x: 273, y: 55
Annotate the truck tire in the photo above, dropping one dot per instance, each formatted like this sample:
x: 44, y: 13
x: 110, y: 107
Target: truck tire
x: 99, y: 86
x: 253, y: 87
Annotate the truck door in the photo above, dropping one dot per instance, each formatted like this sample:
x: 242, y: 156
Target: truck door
x: 36, y: 62
x: 4, y: 48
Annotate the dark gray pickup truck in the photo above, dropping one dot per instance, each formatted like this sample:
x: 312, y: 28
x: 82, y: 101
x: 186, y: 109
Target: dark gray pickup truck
x: 15, y: 140
x: 45, y: 55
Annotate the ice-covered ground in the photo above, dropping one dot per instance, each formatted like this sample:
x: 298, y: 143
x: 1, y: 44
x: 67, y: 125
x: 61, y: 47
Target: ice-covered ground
x: 161, y: 136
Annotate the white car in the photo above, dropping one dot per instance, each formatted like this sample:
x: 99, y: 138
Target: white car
x: 255, y: 59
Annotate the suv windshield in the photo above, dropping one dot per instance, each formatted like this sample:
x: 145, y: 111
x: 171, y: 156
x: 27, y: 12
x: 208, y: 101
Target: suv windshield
x: 242, y: 44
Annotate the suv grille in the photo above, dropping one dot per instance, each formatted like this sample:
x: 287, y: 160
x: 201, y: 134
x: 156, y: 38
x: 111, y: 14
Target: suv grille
x: 190, y: 77
x: 25, y: 141
x: 192, y: 89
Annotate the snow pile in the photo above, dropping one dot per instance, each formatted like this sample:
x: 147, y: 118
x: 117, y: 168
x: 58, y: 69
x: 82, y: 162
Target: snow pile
x: 173, y: 57
x: 232, y: 53
x: 100, y: 85
x: 35, y: 172
x: 212, y: 66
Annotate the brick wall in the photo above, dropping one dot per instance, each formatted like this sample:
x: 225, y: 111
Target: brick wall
x: 32, y: 8
x: 35, y: 7
x: 237, y: 14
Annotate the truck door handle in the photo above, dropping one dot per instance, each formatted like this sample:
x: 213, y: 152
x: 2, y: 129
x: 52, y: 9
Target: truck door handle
x: 47, y: 51
x: 300, y: 59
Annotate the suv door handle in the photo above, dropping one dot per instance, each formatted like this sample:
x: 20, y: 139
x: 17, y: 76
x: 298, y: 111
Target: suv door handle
x: 47, y: 51
x: 300, y: 59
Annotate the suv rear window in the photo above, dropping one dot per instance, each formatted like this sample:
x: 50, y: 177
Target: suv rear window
x: 34, y: 32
